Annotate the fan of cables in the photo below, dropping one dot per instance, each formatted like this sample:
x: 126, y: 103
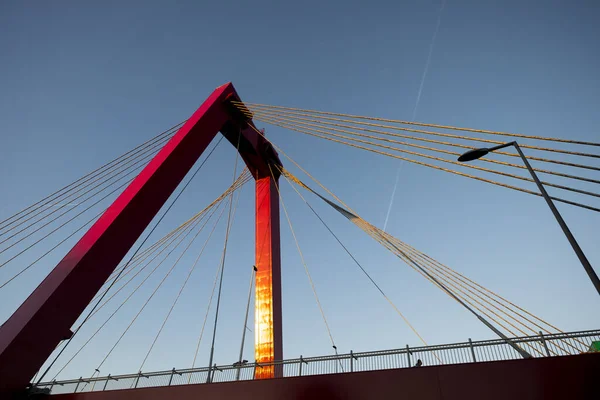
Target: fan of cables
x: 438, y: 147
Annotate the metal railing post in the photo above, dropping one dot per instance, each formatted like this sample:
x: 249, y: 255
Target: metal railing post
x: 302, y: 361
x: 255, y: 366
x: 212, y: 378
x: 137, y: 380
x: 472, y: 350
x: 408, y: 356
x: 351, y: 361
x: 337, y: 357
x: 171, y: 377
x: 545, y: 344
x: 109, y: 378
x: 76, y: 387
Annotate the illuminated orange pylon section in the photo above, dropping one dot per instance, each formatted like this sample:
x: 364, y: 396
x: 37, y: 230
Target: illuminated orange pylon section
x: 267, y: 319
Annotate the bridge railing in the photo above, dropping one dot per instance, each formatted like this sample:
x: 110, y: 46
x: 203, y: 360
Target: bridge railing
x: 455, y: 353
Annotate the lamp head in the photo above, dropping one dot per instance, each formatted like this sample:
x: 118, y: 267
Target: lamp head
x: 473, y: 154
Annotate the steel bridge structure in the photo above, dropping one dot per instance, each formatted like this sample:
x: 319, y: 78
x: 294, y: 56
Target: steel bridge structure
x: 473, y: 369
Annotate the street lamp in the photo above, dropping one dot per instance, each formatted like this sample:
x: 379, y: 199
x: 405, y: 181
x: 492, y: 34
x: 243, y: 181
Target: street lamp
x: 478, y: 153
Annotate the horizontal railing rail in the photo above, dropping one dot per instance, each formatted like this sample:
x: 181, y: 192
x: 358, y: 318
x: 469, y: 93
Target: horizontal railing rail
x: 542, y: 345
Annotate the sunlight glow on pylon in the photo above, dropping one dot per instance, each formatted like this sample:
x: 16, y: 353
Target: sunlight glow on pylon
x: 263, y: 325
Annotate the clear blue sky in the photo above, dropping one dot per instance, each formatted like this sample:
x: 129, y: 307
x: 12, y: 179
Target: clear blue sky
x: 83, y: 82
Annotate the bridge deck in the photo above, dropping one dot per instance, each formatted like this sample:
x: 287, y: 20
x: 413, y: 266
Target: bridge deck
x: 569, y: 377
x: 437, y: 355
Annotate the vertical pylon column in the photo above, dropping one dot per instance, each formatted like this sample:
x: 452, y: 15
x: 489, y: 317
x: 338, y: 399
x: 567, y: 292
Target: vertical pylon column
x: 267, y: 322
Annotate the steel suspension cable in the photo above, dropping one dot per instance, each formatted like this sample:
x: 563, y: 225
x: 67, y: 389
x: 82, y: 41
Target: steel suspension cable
x: 310, y: 280
x: 180, y: 237
x: 160, y: 242
x: 64, y: 223
x: 143, y: 307
x: 161, y: 245
x: 362, y: 223
x: 181, y: 289
x: 347, y: 207
x: 217, y: 274
x: 63, y: 214
x: 339, y: 200
x: 295, y: 127
x: 280, y: 150
x: 416, y: 162
x: 412, y: 263
x: 123, y: 173
x: 350, y: 209
x: 189, y: 225
x: 466, y: 282
x: 288, y: 175
x: 148, y: 300
x: 15, y: 276
x: 48, y: 198
x: 454, y: 172
x: 382, y: 238
x: 155, y: 252
x: 216, y: 280
x: 189, y: 228
x: 362, y: 268
x: 230, y: 217
x: 451, y: 281
x: 144, y: 254
x: 579, y: 142
x: 227, y: 230
x: 450, y: 289
x: 449, y: 284
x: 261, y: 114
x: 123, y: 303
x: 134, y: 263
x: 450, y: 276
x: 69, y: 200
x: 68, y: 341
x: 245, y: 326
x: 494, y: 296
x: 208, y: 306
x: 431, y: 133
x: 156, y: 249
x: 111, y: 277
x: 323, y: 121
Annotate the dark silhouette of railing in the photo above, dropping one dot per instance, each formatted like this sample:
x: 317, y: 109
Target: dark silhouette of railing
x: 456, y: 353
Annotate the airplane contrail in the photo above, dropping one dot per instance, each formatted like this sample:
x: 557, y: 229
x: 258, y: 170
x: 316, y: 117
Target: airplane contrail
x: 416, y: 107
x: 387, y: 216
x: 426, y: 69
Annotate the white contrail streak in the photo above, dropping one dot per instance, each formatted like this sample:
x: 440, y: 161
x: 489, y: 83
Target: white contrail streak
x: 418, y: 100
x: 426, y: 69
x: 387, y: 217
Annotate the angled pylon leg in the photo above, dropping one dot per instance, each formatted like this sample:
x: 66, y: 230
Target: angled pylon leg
x: 268, y: 344
x: 31, y: 334
x: 38, y: 326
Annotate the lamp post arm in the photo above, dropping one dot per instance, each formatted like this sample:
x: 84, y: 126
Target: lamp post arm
x: 582, y: 258
x: 501, y: 146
